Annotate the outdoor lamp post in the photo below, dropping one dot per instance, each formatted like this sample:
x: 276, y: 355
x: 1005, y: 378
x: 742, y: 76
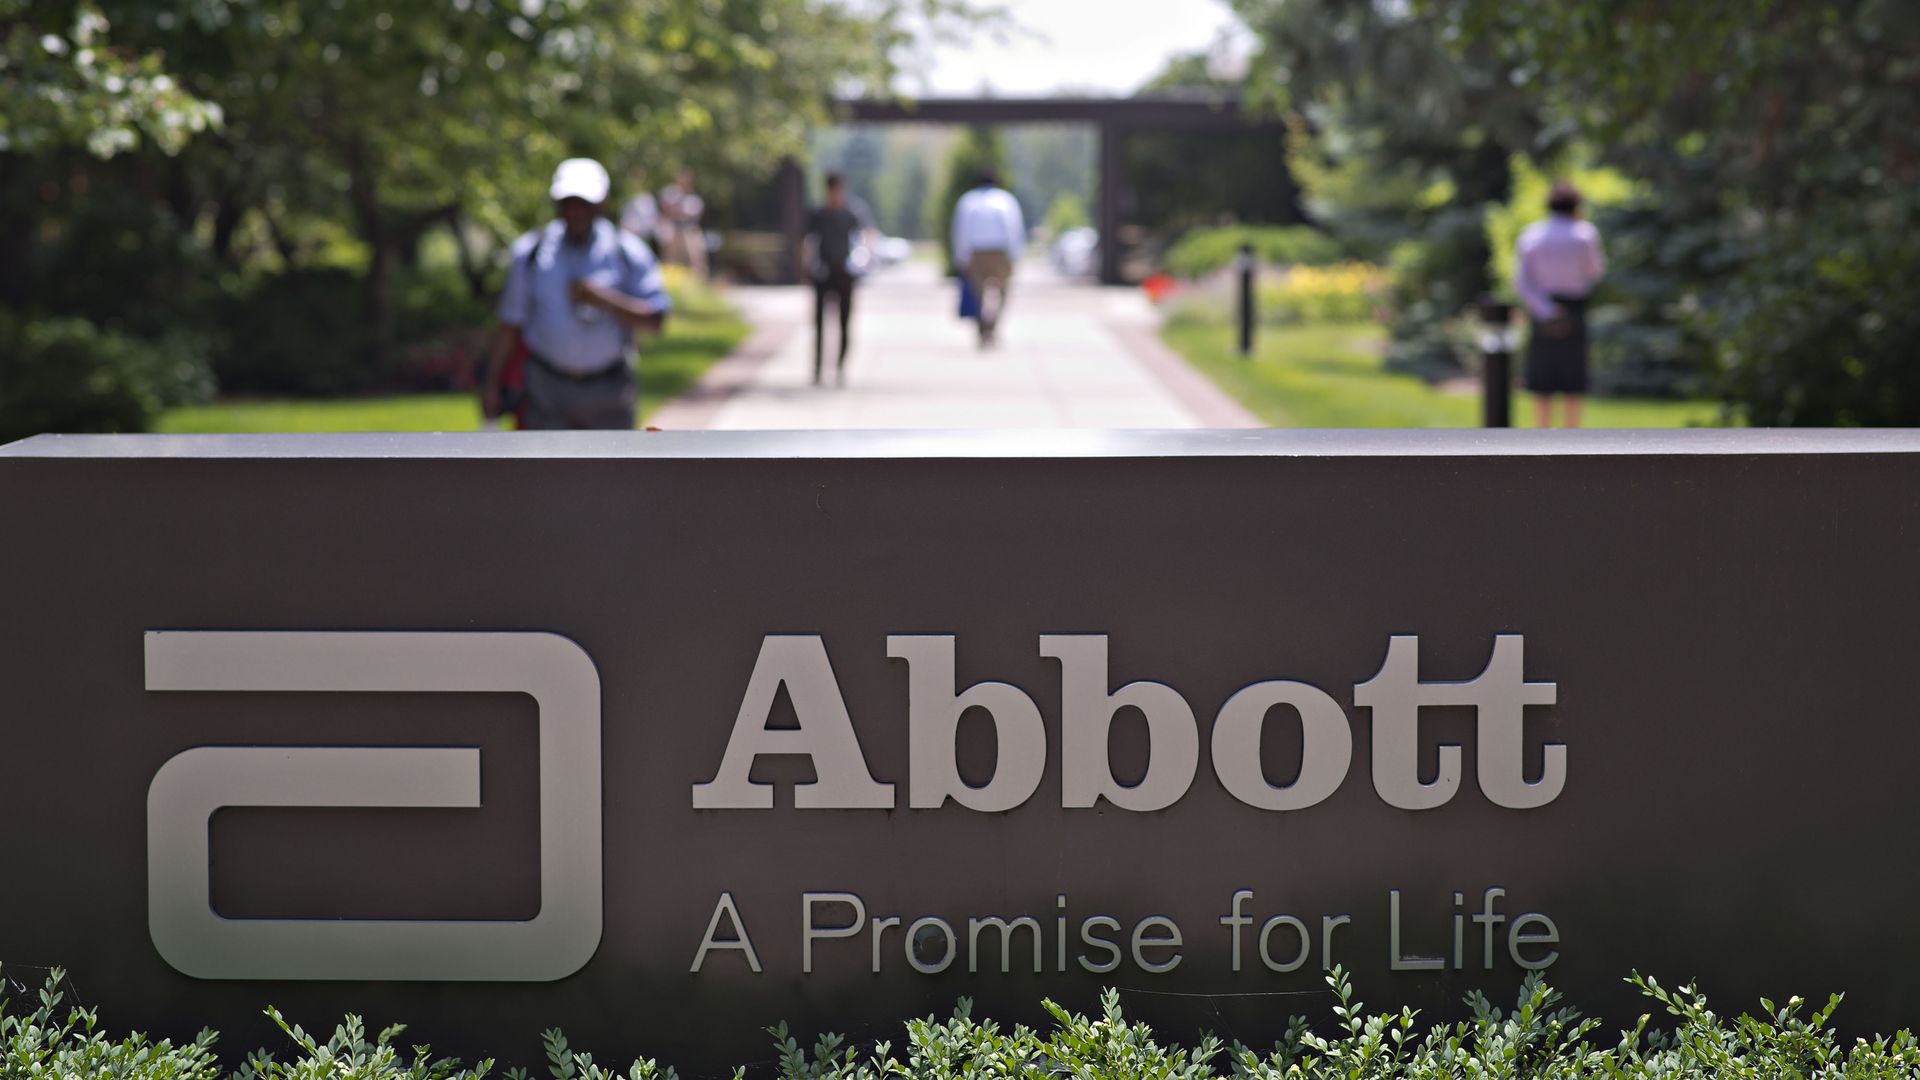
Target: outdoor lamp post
x: 1496, y: 350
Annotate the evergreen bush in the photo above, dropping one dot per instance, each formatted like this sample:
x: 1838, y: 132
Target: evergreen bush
x: 1539, y: 1039
x: 1202, y: 251
x: 69, y: 375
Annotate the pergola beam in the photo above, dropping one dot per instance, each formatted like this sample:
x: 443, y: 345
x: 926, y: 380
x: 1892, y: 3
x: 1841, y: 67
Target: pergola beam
x: 1173, y: 112
x: 1112, y: 117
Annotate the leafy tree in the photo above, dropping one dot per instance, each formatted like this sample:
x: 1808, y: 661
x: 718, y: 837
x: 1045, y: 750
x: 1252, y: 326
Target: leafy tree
x: 1246, y: 179
x: 70, y: 375
x: 898, y: 175
x: 349, y: 131
x: 978, y: 150
x: 1404, y: 143
x: 66, y: 80
x: 860, y: 159
x: 1777, y: 138
x: 245, y: 186
x: 418, y: 116
x: 906, y: 216
x: 1067, y: 212
x: 1639, y: 346
x: 1048, y: 161
x: 69, y: 87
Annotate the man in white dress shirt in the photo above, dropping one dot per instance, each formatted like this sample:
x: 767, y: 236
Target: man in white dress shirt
x: 1559, y: 262
x: 988, y: 233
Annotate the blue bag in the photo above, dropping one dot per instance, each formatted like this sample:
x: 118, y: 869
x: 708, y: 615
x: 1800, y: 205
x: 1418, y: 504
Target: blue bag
x: 969, y: 300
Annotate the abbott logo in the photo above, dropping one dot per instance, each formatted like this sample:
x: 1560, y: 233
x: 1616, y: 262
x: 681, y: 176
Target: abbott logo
x: 555, y: 672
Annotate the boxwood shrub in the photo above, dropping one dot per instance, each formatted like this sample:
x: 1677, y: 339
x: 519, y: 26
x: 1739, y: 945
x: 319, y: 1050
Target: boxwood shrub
x: 1538, y: 1038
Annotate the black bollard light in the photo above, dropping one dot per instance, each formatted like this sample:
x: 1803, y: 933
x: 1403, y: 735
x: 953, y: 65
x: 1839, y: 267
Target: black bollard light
x: 1245, y: 263
x: 1496, y: 351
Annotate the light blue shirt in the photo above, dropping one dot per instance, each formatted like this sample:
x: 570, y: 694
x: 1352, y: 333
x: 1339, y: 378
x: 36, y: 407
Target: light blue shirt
x: 1560, y: 256
x: 573, y: 337
x: 987, y: 219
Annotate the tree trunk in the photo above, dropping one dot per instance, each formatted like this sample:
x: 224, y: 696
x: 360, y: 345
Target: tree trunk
x: 363, y: 191
x: 228, y: 212
x: 1489, y: 183
x: 180, y: 195
x: 290, y: 254
x: 17, y: 226
x: 412, y: 229
x: 379, y: 306
x: 470, y: 265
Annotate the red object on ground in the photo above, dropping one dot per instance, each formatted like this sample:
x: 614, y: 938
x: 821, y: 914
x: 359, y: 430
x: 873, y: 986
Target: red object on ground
x: 1158, y: 287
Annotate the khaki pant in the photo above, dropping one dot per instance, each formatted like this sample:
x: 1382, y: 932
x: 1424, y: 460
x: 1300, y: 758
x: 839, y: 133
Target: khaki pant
x: 988, y: 272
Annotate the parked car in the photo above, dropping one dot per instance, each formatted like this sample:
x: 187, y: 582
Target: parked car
x: 892, y: 249
x: 1076, y: 252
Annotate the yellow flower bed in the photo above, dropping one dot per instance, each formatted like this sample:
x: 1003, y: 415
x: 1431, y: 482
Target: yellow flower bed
x: 1342, y: 292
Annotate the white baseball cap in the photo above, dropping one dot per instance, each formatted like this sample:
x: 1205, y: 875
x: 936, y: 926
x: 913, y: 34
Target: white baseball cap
x: 580, y: 178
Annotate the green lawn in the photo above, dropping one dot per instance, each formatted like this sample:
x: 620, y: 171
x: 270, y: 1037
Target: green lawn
x: 704, y: 328
x: 409, y: 412
x: 1330, y: 376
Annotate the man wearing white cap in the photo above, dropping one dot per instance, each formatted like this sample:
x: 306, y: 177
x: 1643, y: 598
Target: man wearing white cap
x: 577, y: 290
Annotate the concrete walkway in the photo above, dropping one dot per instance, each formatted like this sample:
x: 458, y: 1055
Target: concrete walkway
x: 1070, y: 355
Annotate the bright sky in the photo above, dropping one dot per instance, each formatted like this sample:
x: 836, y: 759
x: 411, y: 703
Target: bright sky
x: 1100, y: 46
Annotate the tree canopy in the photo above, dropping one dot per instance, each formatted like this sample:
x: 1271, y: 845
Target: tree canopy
x: 221, y: 148
x: 1780, y: 134
x: 978, y: 150
x: 1765, y: 150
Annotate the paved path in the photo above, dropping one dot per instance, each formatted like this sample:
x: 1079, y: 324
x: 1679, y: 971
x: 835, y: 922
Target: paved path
x: 1070, y: 355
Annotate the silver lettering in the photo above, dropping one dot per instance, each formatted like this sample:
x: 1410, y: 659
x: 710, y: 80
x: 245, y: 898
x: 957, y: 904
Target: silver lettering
x: 933, y: 723
x: 739, y: 941
x: 1325, y: 753
x: 1087, y: 708
x: 1498, y: 695
x: 825, y: 736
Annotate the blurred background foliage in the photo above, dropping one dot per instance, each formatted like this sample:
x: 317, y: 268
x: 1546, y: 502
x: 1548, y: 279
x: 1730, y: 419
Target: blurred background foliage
x: 310, y: 196
x: 307, y: 190
x: 1753, y: 165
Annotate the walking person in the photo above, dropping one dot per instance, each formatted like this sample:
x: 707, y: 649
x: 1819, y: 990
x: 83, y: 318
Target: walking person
x: 1559, y: 262
x: 835, y: 257
x: 641, y: 216
x: 988, y: 234
x: 577, y: 291
x: 682, y: 238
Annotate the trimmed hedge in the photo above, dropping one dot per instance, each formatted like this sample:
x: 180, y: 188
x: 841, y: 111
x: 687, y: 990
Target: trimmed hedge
x: 1538, y: 1038
x: 75, y: 376
x: 1202, y: 251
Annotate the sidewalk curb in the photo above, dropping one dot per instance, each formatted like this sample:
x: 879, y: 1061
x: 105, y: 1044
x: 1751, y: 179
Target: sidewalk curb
x: 1209, y: 404
x: 696, y: 406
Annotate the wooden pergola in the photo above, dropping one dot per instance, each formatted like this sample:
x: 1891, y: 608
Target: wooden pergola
x: 1114, y: 118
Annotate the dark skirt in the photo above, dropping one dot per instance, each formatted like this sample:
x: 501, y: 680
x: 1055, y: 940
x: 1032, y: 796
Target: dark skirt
x: 1557, y: 350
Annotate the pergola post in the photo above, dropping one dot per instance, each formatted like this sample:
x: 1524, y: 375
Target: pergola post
x: 1113, y: 169
x: 793, y: 220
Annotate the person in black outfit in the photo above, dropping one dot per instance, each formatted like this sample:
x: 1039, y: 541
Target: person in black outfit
x: 834, y: 258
